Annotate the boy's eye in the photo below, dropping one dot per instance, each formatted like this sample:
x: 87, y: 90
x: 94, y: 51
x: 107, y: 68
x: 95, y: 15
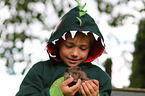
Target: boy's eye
x: 68, y: 46
x: 82, y: 48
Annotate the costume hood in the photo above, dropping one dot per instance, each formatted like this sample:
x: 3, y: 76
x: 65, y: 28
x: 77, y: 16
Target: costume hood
x: 73, y: 21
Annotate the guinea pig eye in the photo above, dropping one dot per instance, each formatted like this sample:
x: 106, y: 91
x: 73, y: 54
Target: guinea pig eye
x: 75, y: 73
x: 67, y: 69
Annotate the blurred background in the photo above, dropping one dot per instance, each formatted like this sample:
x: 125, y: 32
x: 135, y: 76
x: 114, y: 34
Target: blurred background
x: 26, y: 25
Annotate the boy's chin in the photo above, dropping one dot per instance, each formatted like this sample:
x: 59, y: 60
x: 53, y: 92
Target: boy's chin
x: 72, y: 64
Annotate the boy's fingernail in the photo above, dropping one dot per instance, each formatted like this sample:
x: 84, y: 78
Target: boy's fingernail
x: 71, y: 78
x: 79, y: 79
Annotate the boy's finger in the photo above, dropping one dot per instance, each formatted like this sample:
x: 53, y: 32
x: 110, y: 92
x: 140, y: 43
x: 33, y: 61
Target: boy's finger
x: 83, y: 92
x: 93, y: 88
x: 96, y: 82
x: 79, y: 83
x: 66, y: 82
x: 77, y: 86
x: 86, y: 90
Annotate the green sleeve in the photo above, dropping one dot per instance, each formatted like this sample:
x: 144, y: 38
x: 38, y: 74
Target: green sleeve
x: 54, y: 89
x: 98, y: 94
x: 32, y: 85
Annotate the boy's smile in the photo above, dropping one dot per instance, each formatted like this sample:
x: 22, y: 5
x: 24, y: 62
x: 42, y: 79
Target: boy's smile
x: 74, y: 51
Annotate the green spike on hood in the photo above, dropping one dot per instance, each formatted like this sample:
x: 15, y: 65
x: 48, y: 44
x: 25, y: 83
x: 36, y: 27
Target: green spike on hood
x: 81, y: 13
x: 82, y: 7
x: 78, y: 2
x: 79, y: 20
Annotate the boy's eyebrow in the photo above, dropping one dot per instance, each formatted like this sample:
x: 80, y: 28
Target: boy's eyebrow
x: 68, y: 42
x: 83, y: 45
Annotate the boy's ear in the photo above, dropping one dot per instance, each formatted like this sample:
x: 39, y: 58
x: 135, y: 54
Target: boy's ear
x: 59, y: 42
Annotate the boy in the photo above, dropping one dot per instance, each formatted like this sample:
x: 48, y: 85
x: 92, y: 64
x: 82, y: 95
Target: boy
x: 76, y: 41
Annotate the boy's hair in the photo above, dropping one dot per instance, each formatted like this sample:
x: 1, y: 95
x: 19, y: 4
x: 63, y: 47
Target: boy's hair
x: 81, y: 36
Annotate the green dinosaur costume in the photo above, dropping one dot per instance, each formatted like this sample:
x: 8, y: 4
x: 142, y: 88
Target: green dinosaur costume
x: 44, y: 78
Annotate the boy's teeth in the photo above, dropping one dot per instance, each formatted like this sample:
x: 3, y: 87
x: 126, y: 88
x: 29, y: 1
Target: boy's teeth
x: 73, y: 33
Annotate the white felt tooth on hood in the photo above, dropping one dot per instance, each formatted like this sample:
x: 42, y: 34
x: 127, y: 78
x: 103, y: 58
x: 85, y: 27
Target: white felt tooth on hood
x: 86, y: 32
x: 96, y: 36
x: 102, y: 42
x: 73, y: 33
x: 54, y: 42
x: 52, y: 55
x: 63, y: 36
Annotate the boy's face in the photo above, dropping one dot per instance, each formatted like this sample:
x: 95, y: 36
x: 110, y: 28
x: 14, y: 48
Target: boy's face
x: 74, y: 51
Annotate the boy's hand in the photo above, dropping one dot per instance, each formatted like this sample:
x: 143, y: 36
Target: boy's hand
x: 89, y: 88
x: 66, y: 90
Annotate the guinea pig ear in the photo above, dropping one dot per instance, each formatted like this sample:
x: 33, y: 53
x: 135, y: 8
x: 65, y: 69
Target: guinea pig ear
x: 79, y: 68
x: 66, y: 69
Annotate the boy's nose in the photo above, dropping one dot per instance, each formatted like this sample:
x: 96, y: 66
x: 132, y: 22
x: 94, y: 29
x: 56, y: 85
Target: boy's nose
x: 75, y: 53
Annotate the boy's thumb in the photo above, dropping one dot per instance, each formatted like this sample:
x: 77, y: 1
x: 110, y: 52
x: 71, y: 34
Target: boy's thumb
x: 68, y: 81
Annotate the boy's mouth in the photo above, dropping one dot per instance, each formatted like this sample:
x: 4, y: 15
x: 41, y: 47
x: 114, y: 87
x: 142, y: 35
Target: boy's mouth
x: 73, y: 60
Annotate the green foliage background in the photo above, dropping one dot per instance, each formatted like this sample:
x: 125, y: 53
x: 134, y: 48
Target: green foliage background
x: 138, y: 66
x: 108, y: 66
x: 15, y: 30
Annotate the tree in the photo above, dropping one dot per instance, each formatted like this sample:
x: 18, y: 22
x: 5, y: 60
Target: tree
x: 15, y: 29
x: 138, y: 64
x: 108, y: 66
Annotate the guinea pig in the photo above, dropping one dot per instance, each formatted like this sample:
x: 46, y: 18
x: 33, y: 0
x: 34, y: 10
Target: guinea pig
x: 76, y: 73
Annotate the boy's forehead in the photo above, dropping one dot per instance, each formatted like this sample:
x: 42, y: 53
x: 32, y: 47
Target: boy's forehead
x: 79, y: 37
